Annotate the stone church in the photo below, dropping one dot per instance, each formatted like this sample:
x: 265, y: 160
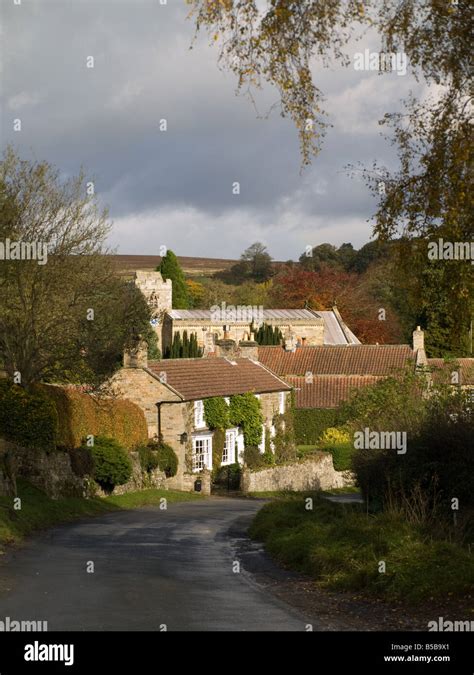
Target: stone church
x: 299, y: 327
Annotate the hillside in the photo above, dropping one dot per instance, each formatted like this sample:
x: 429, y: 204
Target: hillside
x: 192, y: 266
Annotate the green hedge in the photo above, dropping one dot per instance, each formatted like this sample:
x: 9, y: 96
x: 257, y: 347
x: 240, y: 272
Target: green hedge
x: 27, y: 418
x: 81, y: 415
x: 112, y: 463
x: 166, y: 457
x: 310, y: 423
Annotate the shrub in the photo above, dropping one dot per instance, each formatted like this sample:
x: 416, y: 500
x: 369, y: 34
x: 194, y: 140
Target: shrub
x: 112, y: 464
x: 27, y: 418
x: 284, y: 439
x: 81, y: 415
x: 311, y: 423
x: 245, y: 411
x: 82, y: 461
x: 253, y: 458
x: 334, y: 436
x: 148, y: 458
x: 228, y: 476
x: 218, y: 442
x: 167, y: 458
x: 439, y: 451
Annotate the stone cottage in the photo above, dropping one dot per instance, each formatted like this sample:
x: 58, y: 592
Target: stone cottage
x: 171, y: 393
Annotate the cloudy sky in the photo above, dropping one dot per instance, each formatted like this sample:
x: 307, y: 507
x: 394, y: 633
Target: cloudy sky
x: 174, y: 188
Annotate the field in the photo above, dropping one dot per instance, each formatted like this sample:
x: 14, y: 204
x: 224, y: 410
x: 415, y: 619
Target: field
x: 192, y: 267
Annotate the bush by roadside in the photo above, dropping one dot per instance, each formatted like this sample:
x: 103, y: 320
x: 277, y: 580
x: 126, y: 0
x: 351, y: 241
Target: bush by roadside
x: 341, y: 548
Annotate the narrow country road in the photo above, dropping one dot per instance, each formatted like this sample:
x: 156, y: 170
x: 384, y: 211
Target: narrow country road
x: 177, y: 568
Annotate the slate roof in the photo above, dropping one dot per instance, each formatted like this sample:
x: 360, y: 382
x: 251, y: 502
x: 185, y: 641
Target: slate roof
x: 335, y: 330
x: 201, y: 378
x: 379, y: 360
x: 327, y: 391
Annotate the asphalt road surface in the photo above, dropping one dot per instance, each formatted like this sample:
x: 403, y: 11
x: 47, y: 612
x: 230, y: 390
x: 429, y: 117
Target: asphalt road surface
x: 177, y: 568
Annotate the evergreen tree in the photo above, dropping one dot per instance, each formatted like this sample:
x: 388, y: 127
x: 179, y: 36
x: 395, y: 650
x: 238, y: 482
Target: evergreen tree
x: 171, y: 269
x: 185, y: 351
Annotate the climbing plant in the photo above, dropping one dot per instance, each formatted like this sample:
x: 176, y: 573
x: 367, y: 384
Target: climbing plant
x: 245, y: 411
x: 216, y: 413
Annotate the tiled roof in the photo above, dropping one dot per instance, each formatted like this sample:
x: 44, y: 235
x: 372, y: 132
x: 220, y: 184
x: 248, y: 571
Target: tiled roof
x: 381, y: 360
x: 441, y: 370
x: 327, y: 391
x: 202, y: 378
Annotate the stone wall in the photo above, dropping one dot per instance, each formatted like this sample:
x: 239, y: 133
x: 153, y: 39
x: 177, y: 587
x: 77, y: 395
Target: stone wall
x: 186, y: 482
x: 313, y: 473
x: 142, y: 388
x: 139, y: 480
x: 52, y: 473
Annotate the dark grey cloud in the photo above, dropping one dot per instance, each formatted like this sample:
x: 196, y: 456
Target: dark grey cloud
x: 175, y: 187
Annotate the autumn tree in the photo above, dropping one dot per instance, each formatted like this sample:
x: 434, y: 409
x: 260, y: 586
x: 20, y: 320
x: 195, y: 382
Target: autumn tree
x: 367, y: 311
x: 274, y: 42
x: 431, y: 195
x: 64, y: 316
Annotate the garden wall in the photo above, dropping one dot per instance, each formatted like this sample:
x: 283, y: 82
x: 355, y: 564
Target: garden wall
x: 52, y: 472
x: 314, y: 473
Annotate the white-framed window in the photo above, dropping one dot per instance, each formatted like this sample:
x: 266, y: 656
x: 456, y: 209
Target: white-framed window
x: 240, y: 447
x: 227, y: 399
x: 281, y: 402
x: 202, y: 452
x: 261, y: 445
x: 199, y: 421
x: 228, y: 454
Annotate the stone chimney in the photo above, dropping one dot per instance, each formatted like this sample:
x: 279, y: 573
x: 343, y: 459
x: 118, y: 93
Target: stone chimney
x: 290, y: 341
x: 249, y: 349
x: 226, y: 348
x: 136, y: 357
x: 419, y: 347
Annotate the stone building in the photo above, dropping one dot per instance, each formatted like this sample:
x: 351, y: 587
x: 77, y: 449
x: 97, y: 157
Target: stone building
x: 171, y: 394
x: 158, y: 294
x: 298, y: 326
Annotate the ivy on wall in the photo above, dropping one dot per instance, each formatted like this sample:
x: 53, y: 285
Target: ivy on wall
x: 245, y: 411
x: 284, y: 439
x: 216, y: 413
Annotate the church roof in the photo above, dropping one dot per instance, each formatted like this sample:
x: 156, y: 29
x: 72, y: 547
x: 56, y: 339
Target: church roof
x: 335, y: 330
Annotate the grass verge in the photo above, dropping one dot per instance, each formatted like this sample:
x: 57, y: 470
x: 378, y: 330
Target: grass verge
x: 341, y: 548
x: 39, y: 511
